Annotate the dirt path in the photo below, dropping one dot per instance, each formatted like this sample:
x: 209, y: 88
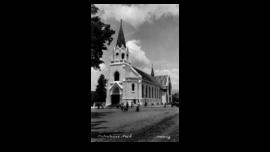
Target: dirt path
x: 171, y: 133
x: 152, y: 125
x: 164, y: 131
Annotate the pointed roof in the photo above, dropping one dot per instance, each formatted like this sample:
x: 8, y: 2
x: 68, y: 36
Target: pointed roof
x: 162, y: 79
x: 121, y: 39
x: 147, y: 77
x: 152, y: 72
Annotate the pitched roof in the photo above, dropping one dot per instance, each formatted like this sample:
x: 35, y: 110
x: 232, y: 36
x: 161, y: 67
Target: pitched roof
x: 121, y: 38
x: 147, y: 77
x: 162, y: 79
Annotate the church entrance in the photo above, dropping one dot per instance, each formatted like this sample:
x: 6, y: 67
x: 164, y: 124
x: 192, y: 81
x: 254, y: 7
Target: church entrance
x: 115, y: 97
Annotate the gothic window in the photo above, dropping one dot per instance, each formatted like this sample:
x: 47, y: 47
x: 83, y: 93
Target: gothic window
x: 123, y: 55
x: 142, y: 91
x: 149, y: 92
x: 146, y: 95
x: 155, y: 92
x: 146, y: 88
x: 117, y: 54
x: 152, y: 92
x: 146, y: 91
x: 133, y: 87
x: 116, y: 76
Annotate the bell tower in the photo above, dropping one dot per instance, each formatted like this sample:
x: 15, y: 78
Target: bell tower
x: 117, y: 72
x: 120, y: 51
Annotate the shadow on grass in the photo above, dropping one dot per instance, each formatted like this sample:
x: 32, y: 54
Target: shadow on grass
x: 97, y: 115
x: 94, y: 124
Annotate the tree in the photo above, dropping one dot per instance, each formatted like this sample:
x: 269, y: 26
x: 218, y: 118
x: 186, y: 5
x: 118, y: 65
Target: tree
x: 101, y: 34
x: 100, y: 94
x: 175, y: 97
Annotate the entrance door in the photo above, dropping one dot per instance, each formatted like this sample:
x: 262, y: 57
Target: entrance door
x: 115, y: 99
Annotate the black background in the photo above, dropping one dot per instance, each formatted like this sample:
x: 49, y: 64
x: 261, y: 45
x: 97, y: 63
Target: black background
x: 45, y: 73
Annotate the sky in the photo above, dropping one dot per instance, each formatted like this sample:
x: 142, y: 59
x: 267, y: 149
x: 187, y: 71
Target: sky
x: 152, y: 35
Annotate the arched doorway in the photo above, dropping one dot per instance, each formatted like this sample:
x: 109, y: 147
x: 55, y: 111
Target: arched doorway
x: 115, y: 97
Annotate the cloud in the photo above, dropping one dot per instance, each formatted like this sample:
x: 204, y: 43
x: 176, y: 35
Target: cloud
x: 137, y: 55
x: 137, y: 14
x: 139, y: 59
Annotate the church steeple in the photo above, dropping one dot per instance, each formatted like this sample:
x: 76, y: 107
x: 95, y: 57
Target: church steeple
x: 120, y: 51
x: 121, y: 39
x: 152, y: 72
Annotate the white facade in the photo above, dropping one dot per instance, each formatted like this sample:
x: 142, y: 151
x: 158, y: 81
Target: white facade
x: 127, y: 84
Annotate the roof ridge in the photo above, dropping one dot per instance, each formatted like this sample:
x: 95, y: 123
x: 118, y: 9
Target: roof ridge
x: 144, y: 74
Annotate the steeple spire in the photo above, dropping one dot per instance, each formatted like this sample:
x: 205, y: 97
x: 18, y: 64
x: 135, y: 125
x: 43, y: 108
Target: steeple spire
x: 121, y: 39
x: 152, y: 72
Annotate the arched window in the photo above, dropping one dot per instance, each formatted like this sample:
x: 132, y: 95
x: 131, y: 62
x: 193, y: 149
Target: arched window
x: 146, y: 92
x: 152, y: 92
x: 116, y: 76
x: 142, y: 91
x: 117, y: 54
x: 123, y: 55
x: 155, y: 92
x: 149, y: 92
x: 154, y: 96
x: 133, y: 87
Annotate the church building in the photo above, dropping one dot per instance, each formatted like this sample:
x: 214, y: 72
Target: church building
x: 128, y: 84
